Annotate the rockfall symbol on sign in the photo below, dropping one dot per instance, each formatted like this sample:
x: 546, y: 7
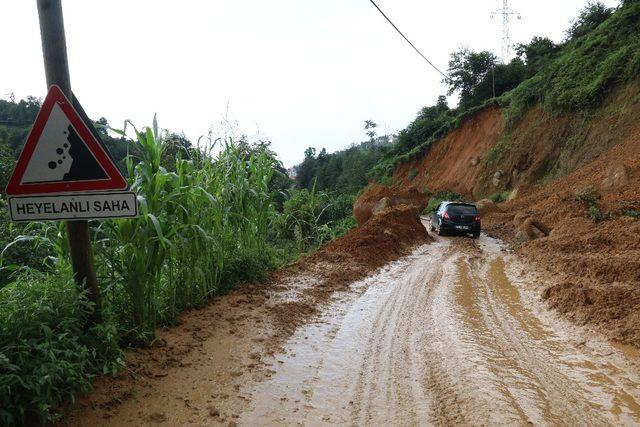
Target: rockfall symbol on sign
x: 62, y: 168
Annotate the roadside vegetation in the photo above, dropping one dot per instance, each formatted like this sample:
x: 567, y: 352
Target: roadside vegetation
x: 210, y: 217
x: 440, y: 197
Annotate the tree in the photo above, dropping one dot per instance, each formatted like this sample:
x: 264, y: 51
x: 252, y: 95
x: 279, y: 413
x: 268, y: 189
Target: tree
x: 369, y: 127
x: 307, y: 169
x: 592, y: 15
x: 102, y: 126
x: 176, y: 145
x: 7, y: 162
x: 537, y: 53
x: 467, y: 69
x: 442, y: 103
x: 427, y: 122
x: 477, y: 76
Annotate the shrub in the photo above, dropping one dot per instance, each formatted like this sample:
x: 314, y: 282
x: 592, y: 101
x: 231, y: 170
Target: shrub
x: 502, y: 196
x: 589, y: 198
x: 45, y: 355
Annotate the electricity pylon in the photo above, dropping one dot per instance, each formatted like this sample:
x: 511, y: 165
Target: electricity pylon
x: 506, y: 13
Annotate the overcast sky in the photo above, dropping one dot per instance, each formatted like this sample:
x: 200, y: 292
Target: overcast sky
x: 299, y: 72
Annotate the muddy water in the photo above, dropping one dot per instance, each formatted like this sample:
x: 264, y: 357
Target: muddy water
x: 446, y: 336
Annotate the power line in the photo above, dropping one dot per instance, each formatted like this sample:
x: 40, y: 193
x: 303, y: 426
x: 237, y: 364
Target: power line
x: 404, y: 37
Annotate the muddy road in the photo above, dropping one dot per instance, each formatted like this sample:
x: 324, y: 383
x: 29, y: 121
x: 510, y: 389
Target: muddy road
x: 445, y: 337
x: 455, y: 333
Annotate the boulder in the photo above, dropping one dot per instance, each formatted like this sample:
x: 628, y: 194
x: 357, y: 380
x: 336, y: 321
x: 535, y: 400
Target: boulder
x: 381, y: 205
x: 617, y: 176
x: 362, y: 211
x: 519, y: 218
x: 522, y: 236
x: 486, y: 206
x: 497, y: 179
x: 531, y: 229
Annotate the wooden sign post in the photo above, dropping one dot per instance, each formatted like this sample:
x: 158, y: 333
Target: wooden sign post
x: 56, y: 67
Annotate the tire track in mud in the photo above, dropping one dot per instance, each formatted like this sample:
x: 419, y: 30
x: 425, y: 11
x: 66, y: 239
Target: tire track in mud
x: 444, y: 336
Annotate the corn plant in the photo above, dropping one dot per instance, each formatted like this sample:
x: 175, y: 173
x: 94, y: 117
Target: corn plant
x: 199, y: 225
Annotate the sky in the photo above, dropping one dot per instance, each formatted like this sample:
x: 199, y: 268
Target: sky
x: 301, y: 73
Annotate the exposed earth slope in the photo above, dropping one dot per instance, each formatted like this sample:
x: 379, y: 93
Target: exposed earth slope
x: 579, y: 174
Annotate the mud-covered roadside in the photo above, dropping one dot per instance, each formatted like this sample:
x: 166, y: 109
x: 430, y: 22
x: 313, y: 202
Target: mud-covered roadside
x: 596, y: 259
x: 449, y: 335
x: 198, y: 371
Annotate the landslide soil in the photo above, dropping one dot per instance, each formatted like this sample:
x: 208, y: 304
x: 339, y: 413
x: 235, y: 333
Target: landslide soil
x: 197, y: 371
x: 550, y: 161
x: 597, y: 264
x: 449, y: 335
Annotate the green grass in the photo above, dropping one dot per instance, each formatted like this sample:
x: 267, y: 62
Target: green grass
x: 501, y: 196
x: 496, y: 154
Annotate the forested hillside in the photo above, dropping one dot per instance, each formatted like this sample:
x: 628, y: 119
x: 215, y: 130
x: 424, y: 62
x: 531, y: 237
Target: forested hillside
x: 601, y: 51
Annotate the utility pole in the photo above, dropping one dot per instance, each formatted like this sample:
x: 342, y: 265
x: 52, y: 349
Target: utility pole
x: 56, y: 67
x: 505, y: 13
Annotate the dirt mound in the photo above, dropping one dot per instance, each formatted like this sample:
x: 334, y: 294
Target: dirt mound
x: 594, y: 242
x: 379, y: 197
x: 386, y: 236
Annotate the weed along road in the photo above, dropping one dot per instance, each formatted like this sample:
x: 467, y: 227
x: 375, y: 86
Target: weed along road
x: 444, y: 336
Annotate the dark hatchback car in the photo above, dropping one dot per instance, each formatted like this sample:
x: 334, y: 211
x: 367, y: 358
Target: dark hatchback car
x: 456, y: 218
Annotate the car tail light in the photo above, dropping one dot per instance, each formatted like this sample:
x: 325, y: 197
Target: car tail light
x: 445, y: 216
x: 478, y: 218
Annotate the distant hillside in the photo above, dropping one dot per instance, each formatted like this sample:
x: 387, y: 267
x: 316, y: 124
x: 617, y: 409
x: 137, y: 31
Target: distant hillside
x: 601, y: 53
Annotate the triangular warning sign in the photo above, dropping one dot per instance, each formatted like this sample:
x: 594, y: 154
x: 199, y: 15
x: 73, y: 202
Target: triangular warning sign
x: 62, y: 155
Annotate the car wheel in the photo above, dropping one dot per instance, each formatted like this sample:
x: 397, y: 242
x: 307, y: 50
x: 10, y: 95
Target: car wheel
x: 440, y: 231
x: 476, y: 235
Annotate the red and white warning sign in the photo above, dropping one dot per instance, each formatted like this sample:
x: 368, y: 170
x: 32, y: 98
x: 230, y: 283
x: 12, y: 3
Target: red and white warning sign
x: 62, y: 157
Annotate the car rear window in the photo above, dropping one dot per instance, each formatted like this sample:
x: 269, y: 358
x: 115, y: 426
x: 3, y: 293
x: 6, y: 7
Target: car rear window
x: 462, y: 210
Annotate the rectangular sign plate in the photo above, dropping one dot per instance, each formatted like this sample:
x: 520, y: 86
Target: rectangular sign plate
x: 74, y: 206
